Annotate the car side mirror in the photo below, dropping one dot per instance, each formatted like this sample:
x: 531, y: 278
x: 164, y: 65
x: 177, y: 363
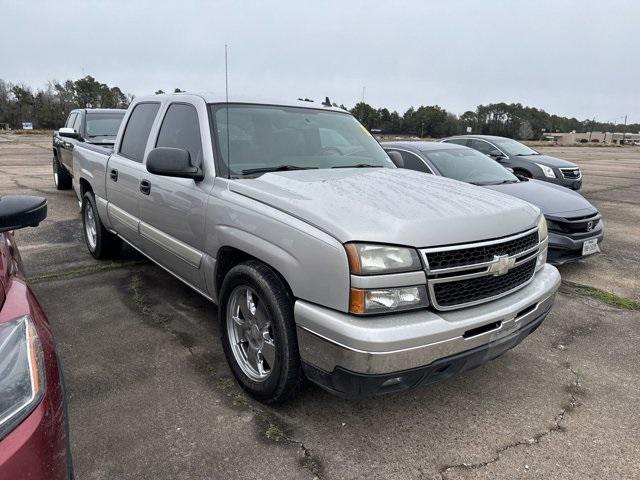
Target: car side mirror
x: 173, y: 162
x: 510, y: 169
x: 68, y: 133
x: 396, y: 158
x: 20, y: 211
x: 496, y: 154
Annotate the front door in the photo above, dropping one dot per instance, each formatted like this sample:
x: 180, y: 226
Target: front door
x: 173, y: 209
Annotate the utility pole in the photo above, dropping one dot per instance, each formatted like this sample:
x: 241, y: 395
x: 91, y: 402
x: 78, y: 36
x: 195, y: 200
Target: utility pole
x: 591, y: 130
x: 624, y: 130
x: 363, y: 94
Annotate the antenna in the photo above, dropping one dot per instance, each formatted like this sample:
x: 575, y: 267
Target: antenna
x: 226, y: 93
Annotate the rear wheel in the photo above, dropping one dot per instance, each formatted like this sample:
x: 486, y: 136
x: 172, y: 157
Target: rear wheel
x: 258, y: 333
x: 100, y: 242
x: 61, y: 177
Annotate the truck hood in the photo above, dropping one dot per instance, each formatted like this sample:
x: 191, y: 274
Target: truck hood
x: 551, y: 199
x: 549, y: 161
x: 388, y: 205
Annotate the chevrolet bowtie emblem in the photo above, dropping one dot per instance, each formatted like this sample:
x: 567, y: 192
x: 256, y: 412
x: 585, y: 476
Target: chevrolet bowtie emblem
x: 501, y: 264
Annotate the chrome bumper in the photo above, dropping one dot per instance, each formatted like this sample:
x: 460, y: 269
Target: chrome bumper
x: 376, y: 345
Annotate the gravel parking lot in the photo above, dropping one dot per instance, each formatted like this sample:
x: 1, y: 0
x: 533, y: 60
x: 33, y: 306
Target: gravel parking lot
x: 151, y: 397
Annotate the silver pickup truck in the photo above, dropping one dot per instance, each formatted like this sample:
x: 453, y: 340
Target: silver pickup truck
x: 325, y: 260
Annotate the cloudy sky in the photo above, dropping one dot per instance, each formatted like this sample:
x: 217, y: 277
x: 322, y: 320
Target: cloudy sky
x: 577, y: 58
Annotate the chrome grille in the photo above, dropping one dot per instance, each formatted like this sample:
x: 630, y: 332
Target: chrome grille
x: 464, y: 275
x: 482, y: 253
x: 464, y: 291
x: 571, y: 173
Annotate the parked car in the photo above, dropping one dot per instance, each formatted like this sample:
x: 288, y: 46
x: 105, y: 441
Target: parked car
x: 576, y: 228
x: 524, y: 161
x: 92, y: 127
x: 34, y: 439
x: 325, y: 259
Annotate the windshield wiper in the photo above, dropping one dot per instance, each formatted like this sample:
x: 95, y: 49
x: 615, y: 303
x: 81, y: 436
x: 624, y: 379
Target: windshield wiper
x: 358, y: 165
x: 486, y: 184
x: 526, y: 154
x: 279, y: 168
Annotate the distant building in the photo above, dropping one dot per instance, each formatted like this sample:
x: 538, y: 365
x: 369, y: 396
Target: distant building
x: 593, y: 137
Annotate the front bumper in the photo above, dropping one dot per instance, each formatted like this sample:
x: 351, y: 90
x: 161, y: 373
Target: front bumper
x: 573, y: 184
x: 566, y: 248
x: 332, y: 343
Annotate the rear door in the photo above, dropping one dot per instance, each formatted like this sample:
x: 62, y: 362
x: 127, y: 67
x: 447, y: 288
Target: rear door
x: 125, y: 170
x: 173, y: 209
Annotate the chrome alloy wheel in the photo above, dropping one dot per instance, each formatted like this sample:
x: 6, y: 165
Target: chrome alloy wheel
x: 250, y: 333
x: 90, y: 228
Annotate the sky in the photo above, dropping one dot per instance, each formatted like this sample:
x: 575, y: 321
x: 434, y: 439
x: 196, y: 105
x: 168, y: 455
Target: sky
x: 574, y: 58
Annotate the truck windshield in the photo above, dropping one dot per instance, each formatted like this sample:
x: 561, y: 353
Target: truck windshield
x: 264, y: 138
x: 103, y: 124
x: 469, y: 166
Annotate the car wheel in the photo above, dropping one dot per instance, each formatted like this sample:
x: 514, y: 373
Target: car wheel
x: 100, y: 242
x: 258, y: 333
x: 61, y: 177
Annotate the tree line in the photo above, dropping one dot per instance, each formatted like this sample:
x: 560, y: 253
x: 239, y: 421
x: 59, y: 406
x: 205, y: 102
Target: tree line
x: 48, y: 108
x: 504, y: 119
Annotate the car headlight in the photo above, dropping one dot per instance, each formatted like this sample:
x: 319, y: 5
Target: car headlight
x: 385, y: 300
x: 371, y: 259
x: 21, y: 372
x: 547, y: 171
x: 542, y: 229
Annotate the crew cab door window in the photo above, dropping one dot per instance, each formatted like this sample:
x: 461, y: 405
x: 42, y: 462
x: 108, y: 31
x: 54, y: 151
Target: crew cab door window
x: 136, y: 133
x: 77, y: 124
x: 180, y: 129
x: 70, y: 120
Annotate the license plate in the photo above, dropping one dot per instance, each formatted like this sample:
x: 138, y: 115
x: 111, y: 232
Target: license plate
x: 590, y: 246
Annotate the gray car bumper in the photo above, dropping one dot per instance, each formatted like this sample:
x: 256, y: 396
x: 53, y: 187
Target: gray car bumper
x: 330, y: 340
x: 568, y: 248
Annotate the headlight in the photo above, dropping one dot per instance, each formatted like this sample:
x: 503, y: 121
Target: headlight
x: 384, y: 300
x: 21, y: 372
x: 548, y: 171
x: 368, y: 259
x: 542, y: 229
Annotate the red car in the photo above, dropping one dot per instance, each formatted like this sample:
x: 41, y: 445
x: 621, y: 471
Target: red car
x: 34, y: 440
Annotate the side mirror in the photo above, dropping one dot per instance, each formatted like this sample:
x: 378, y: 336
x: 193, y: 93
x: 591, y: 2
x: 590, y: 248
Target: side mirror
x: 396, y: 158
x: 496, y: 154
x: 20, y: 211
x: 173, y: 162
x: 69, y: 133
x: 510, y: 169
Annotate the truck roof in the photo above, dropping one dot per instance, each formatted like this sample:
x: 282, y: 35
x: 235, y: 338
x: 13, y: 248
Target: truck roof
x: 217, y: 97
x: 100, y: 110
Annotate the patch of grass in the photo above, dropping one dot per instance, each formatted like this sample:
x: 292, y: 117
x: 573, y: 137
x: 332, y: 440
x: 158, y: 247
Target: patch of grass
x: 608, y: 298
x: 80, y: 271
x: 275, y: 433
x: 137, y: 296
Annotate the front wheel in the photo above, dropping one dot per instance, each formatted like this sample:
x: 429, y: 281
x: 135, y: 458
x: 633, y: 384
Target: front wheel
x: 258, y: 333
x: 100, y: 242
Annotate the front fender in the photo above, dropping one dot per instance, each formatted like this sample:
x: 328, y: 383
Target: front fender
x: 313, y: 263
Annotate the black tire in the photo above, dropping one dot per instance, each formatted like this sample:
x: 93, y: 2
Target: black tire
x: 61, y: 177
x: 105, y: 244
x: 286, y: 378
